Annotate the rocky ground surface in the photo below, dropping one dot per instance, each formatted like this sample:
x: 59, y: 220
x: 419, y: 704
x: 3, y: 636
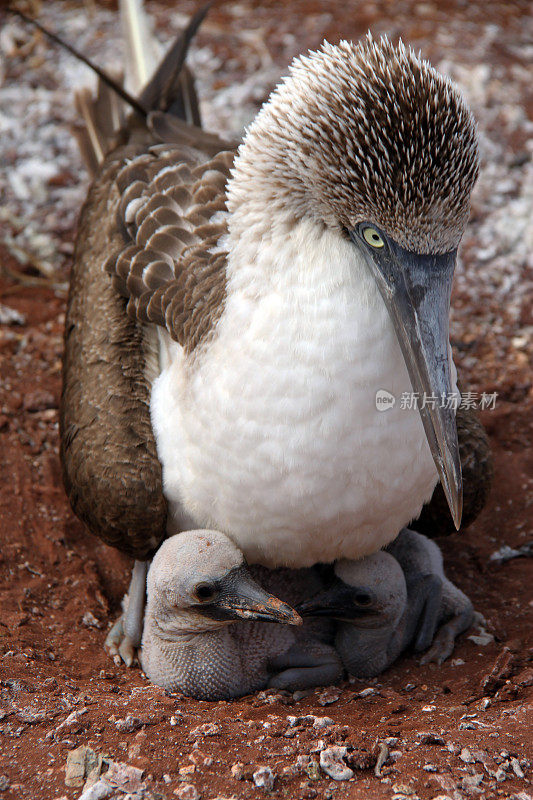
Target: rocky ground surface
x: 69, y: 717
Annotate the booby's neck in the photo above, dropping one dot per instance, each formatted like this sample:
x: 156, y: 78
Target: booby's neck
x: 278, y: 251
x: 181, y: 626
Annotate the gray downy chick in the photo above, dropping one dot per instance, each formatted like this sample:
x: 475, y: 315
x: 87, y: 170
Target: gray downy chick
x: 439, y: 610
x: 392, y: 600
x: 205, y: 633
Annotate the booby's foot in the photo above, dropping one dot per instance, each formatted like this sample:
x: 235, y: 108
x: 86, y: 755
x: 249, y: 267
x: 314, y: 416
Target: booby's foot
x: 119, y: 646
x: 125, y: 636
x: 424, y: 598
x: 134, y: 602
x: 301, y: 669
x: 444, y: 641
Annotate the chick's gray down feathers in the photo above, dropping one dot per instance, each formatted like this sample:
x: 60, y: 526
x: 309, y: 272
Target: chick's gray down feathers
x: 187, y: 648
x: 247, y: 656
x: 416, y: 606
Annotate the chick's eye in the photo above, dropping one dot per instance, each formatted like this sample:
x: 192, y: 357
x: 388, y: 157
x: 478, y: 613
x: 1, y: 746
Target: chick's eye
x: 363, y: 599
x: 205, y: 592
x: 372, y: 237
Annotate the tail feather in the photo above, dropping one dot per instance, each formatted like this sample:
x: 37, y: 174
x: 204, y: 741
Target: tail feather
x: 86, y: 148
x: 103, y: 117
x: 109, y: 110
x: 171, y: 90
x: 142, y: 49
x: 90, y: 139
x: 186, y: 105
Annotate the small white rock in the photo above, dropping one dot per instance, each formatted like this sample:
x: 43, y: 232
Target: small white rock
x: 328, y: 696
x: 482, y: 638
x: 310, y: 719
x: 367, y: 692
x: 301, y: 693
x: 466, y: 756
x: 129, y: 724
x: 10, y: 316
x: 98, y: 791
x: 517, y: 769
x: 187, y: 792
x: 331, y: 761
x: 403, y: 789
x: 237, y: 771
x: 208, y: 729
x: 471, y: 782
x: 264, y: 778
x: 90, y: 621
x: 322, y: 722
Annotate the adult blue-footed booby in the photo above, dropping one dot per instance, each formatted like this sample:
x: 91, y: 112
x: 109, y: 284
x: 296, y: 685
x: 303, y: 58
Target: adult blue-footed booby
x: 290, y: 283
x: 271, y: 291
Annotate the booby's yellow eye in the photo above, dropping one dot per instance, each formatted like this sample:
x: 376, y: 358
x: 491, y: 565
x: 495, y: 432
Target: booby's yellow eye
x: 372, y: 237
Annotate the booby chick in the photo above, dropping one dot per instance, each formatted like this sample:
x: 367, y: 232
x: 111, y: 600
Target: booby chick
x: 390, y: 601
x: 201, y: 636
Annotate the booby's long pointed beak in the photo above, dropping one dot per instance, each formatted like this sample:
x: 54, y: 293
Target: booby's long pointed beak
x: 416, y: 289
x: 339, y: 601
x: 241, y: 597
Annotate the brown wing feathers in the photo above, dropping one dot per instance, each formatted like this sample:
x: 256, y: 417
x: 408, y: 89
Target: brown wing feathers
x: 169, y: 274
x: 110, y: 468
x: 141, y: 205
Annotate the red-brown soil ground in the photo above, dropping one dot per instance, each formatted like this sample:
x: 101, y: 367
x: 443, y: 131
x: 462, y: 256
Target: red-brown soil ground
x: 463, y: 729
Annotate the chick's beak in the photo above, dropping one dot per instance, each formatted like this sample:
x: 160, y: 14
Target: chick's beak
x: 241, y: 597
x: 339, y: 601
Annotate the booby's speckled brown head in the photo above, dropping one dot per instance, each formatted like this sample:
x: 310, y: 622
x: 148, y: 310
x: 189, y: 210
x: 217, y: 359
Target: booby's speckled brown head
x: 368, y: 132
